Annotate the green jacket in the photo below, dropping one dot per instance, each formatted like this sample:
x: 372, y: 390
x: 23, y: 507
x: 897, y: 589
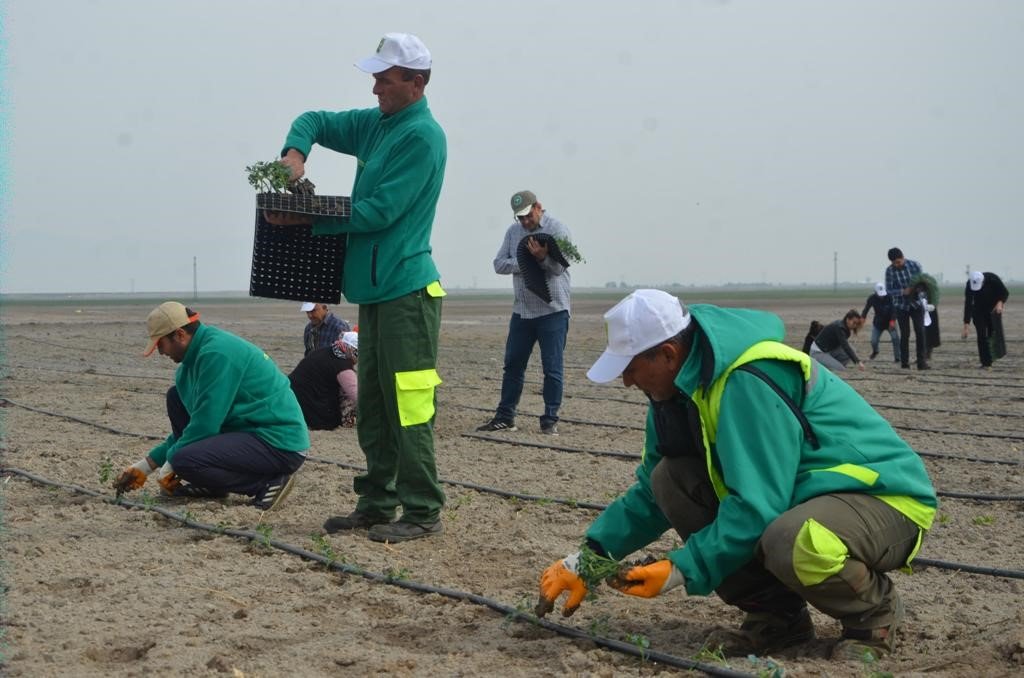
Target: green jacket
x: 229, y: 385
x: 760, y: 453
x: 400, y: 168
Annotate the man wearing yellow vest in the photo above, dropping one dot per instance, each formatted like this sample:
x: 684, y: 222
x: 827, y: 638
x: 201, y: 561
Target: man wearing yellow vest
x: 786, y: 487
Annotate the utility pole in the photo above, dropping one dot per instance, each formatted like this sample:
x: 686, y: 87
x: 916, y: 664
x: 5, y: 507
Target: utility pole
x: 195, y: 281
x: 835, y: 272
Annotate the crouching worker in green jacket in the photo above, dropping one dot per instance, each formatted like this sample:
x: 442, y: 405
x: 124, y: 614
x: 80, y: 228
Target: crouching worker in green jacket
x: 786, y: 487
x: 236, y: 426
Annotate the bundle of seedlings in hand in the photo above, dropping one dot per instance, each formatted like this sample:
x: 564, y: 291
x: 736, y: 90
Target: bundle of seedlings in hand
x: 595, y: 568
x: 569, y: 251
x: 269, y: 177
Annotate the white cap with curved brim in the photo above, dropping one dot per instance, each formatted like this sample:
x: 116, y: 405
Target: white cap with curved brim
x: 880, y: 289
x: 307, y: 306
x: 643, y: 319
x: 977, y: 280
x: 397, y: 49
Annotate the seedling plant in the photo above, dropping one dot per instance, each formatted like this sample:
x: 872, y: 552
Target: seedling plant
x: 269, y: 177
x: 570, y: 251
x: 106, y: 470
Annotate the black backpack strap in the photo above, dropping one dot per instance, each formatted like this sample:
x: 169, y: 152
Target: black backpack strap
x: 793, y: 407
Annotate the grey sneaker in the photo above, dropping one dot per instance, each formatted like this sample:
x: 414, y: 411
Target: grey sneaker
x: 357, y: 520
x: 762, y: 633
x: 402, y: 530
x: 274, y: 493
x: 550, y: 429
x: 498, y: 425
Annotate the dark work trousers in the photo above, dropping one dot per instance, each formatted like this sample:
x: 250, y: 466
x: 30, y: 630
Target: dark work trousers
x: 233, y: 462
x: 983, y: 330
x: 877, y: 537
x: 904, y: 318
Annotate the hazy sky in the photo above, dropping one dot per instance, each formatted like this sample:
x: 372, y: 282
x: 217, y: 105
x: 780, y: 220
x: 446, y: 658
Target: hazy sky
x: 695, y: 141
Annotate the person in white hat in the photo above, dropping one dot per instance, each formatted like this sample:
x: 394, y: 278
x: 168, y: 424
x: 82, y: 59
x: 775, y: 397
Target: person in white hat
x: 785, y: 485
x: 389, y: 271
x: 984, y: 298
x: 235, y: 424
x: 884, y: 320
x: 323, y: 329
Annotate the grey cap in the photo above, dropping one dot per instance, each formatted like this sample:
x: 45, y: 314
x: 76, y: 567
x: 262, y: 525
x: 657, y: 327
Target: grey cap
x: 522, y: 202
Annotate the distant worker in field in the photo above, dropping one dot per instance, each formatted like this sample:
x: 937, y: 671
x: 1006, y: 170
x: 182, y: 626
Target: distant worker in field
x: 984, y: 298
x: 812, y: 332
x: 323, y: 329
x: 325, y: 384
x: 884, y: 321
x: 898, y: 286
x: 535, y: 320
x: 785, y: 485
x: 832, y: 347
x: 235, y: 424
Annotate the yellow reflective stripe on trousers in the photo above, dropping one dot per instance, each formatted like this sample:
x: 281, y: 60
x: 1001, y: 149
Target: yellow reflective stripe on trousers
x: 415, y: 394
x: 817, y: 553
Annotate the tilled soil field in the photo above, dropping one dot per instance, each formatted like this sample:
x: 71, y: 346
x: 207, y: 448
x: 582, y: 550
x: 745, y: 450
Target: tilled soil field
x: 97, y: 589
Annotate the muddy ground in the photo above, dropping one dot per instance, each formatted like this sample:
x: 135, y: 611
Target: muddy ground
x: 95, y: 589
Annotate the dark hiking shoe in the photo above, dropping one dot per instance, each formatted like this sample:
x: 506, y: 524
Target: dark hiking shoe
x: 874, y: 354
x: 498, y: 425
x: 762, y: 633
x: 271, y: 496
x: 404, y: 531
x: 870, y: 644
x: 549, y: 429
x: 357, y: 520
x: 924, y: 366
x: 197, y: 492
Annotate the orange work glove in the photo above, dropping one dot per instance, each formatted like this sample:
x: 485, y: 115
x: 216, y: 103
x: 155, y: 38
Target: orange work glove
x: 168, y: 479
x: 647, y: 581
x: 561, y: 576
x: 133, y: 477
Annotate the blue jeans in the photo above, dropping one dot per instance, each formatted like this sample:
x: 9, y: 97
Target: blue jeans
x: 550, y: 331
x: 876, y: 332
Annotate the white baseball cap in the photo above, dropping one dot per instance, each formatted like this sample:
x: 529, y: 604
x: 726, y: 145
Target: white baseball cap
x: 307, y: 306
x: 880, y: 289
x: 977, y: 280
x: 397, y: 49
x: 643, y: 319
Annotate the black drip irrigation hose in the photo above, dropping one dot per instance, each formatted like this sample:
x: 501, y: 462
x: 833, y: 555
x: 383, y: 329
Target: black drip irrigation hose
x: 508, y: 494
x: 511, y: 613
x: 592, y: 505
x: 494, y: 439
x: 561, y: 448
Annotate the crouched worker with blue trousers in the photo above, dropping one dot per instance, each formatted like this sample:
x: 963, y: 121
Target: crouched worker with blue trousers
x: 786, y: 487
x: 236, y: 426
